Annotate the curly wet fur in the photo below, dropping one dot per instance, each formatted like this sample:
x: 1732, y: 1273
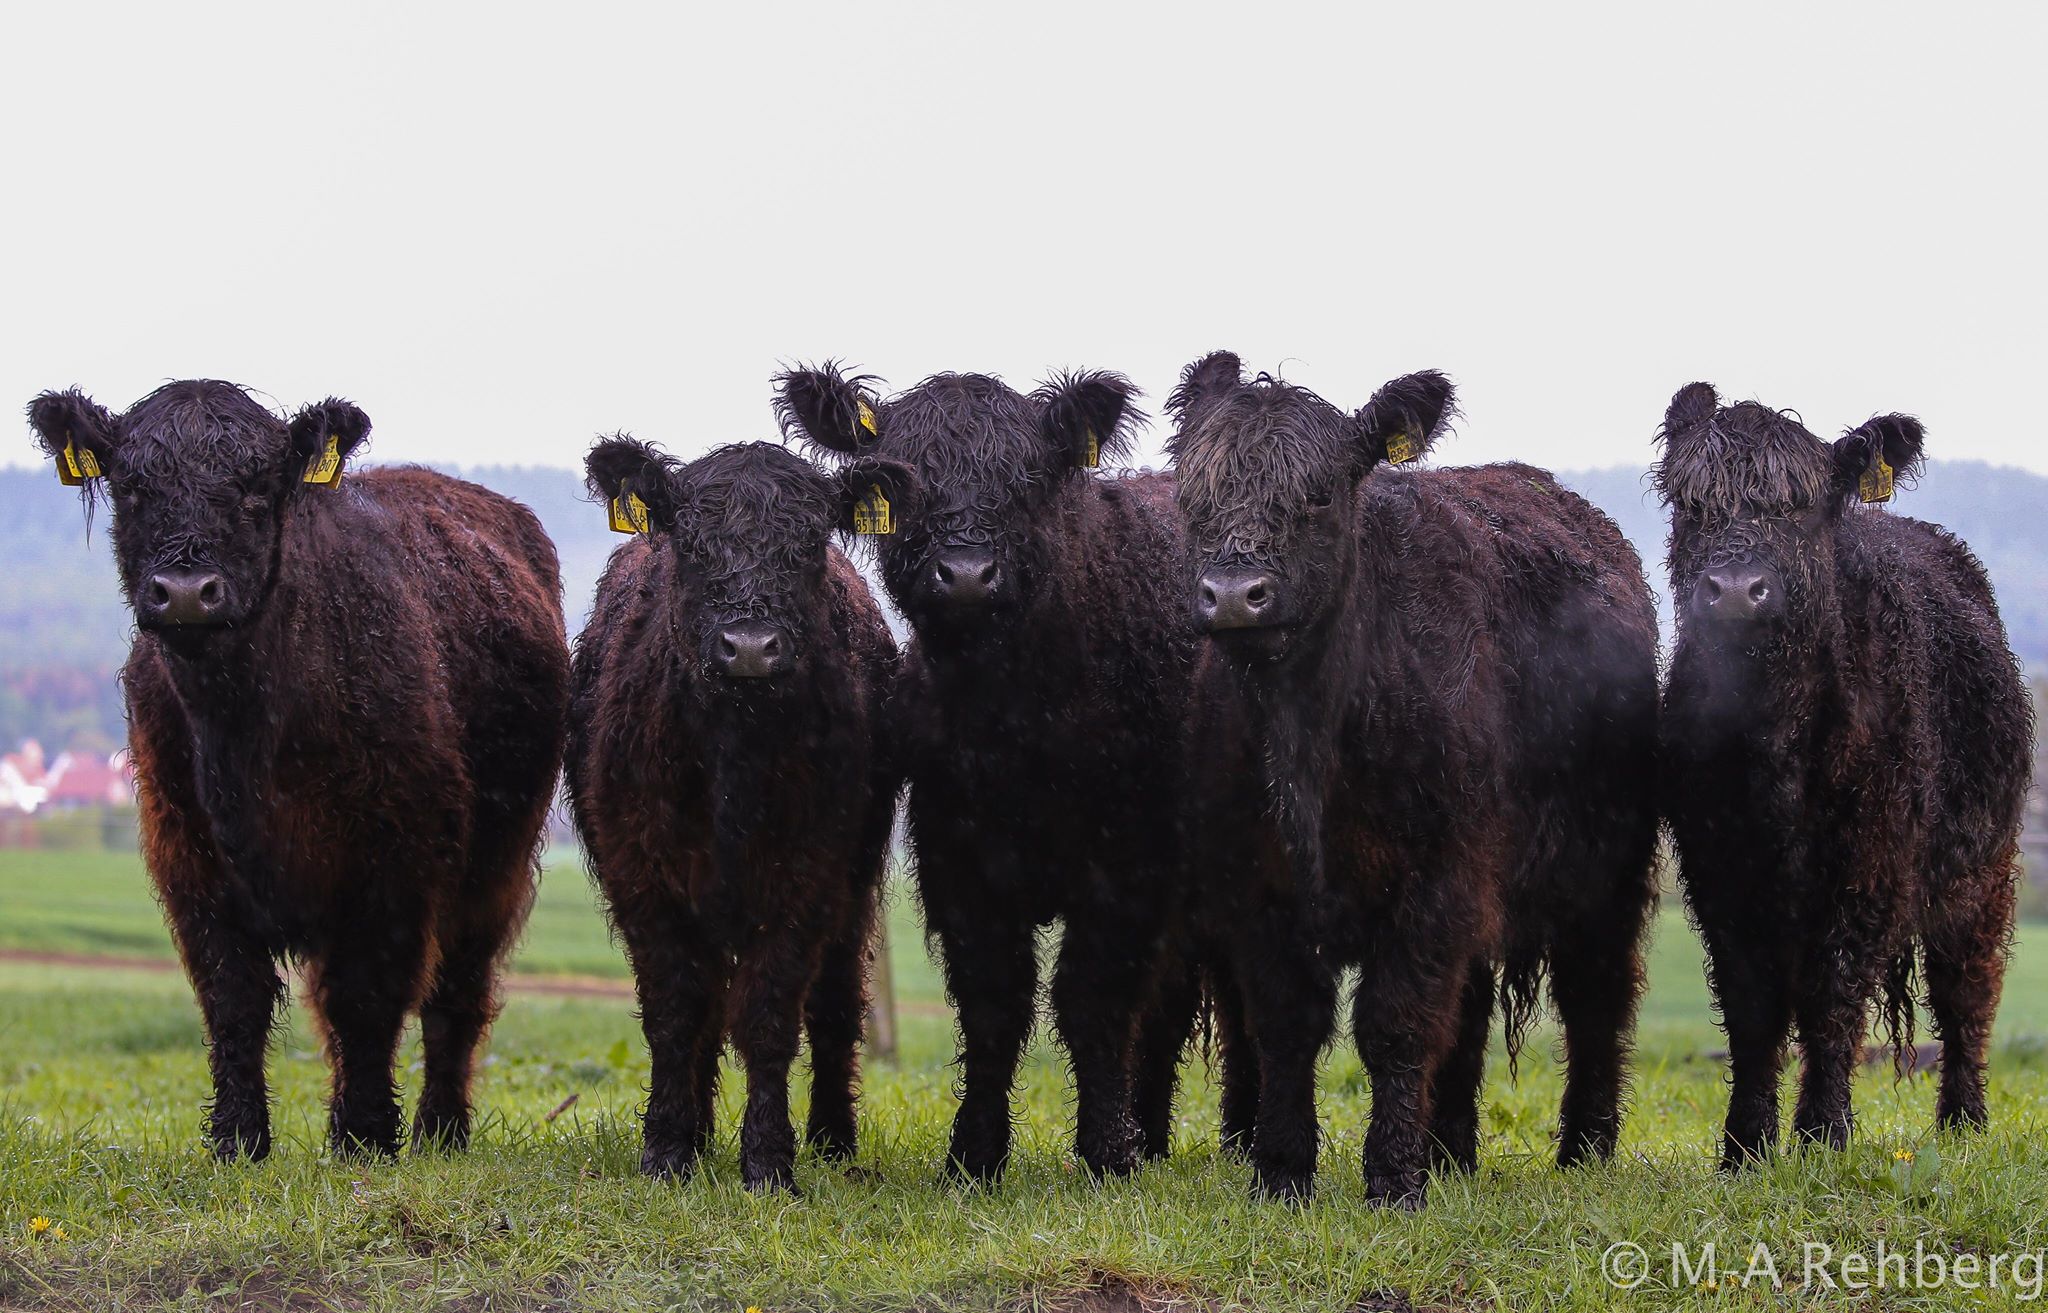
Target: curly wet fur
x: 737, y: 828
x: 1844, y: 782
x: 1436, y: 765
x: 1040, y: 736
x: 392, y: 681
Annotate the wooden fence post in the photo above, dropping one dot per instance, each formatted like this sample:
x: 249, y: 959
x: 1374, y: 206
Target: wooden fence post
x: 882, y: 997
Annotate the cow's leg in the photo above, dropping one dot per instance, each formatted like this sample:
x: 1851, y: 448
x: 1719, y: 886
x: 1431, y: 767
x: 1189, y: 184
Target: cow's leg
x: 767, y: 1009
x: 1840, y: 974
x: 1965, y: 957
x: 834, y: 1014
x: 362, y: 988
x: 1098, y: 987
x: 988, y: 953
x: 463, y: 1001
x: 220, y: 938
x: 1454, y: 1092
x: 680, y: 983
x: 1596, y: 981
x: 1406, y: 1021
x: 239, y: 993
x: 1756, y: 1011
x: 992, y: 978
x: 1832, y: 1014
x: 1290, y: 1006
x: 1168, y: 1021
x: 1237, y: 1056
x: 700, y: 1091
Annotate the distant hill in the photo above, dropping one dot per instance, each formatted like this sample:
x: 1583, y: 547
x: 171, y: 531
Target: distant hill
x: 64, y: 630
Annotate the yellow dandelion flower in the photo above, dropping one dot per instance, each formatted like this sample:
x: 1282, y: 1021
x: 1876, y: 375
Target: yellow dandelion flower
x: 38, y: 1225
x: 1904, y: 1155
x: 57, y: 1233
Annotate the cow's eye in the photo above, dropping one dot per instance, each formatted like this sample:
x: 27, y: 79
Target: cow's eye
x: 1319, y: 501
x: 254, y: 506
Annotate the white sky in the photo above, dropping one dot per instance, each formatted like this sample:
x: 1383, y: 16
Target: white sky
x: 501, y: 234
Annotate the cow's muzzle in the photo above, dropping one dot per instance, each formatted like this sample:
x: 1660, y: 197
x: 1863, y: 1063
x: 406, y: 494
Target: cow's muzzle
x: 181, y: 599
x: 751, y: 651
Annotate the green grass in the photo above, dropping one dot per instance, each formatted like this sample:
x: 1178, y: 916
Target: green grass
x: 102, y: 1078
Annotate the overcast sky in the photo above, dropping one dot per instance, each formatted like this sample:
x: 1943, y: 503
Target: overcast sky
x: 501, y: 235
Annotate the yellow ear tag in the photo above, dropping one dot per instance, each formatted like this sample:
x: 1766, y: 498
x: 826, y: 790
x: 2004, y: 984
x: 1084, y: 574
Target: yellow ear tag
x: 629, y: 514
x: 867, y: 417
x: 325, y: 469
x: 871, y: 513
x: 76, y: 464
x: 1876, y: 483
x: 1093, y: 460
x: 1401, y: 448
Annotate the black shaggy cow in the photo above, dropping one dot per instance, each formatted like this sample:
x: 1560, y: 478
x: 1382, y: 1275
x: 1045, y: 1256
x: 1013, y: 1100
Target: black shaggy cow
x: 729, y: 771
x: 1847, y: 744
x: 345, y: 704
x: 1042, y: 701
x: 1422, y: 744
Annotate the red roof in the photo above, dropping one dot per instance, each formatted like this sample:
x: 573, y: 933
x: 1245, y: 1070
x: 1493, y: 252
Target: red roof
x: 83, y: 780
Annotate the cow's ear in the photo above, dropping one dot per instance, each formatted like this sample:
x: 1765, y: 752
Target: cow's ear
x: 324, y: 436
x: 1088, y: 416
x: 636, y: 483
x: 78, y: 433
x: 1406, y: 417
x: 1692, y: 405
x: 827, y: 408
x: 1203, y: 384
x: 1872, y: 456
x: 875, y: 496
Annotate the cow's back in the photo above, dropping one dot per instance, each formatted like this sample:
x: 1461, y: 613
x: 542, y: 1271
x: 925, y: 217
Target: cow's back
x: 474, y: 570
x: 1929, y: 678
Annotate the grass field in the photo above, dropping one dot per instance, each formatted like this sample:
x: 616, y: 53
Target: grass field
x: 102, y: 1077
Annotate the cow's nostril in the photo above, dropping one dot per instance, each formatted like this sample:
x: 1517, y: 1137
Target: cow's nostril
x: 1256, y: 594
x: 159, y: 593
x: 1713, y: 587
x: 1209, y: 595
x: 209, y: 593
x: 771, y: 646
x: 1758, y: 591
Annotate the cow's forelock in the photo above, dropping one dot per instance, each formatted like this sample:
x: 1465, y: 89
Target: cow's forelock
x: 975, y: 443
x: 753, y: 531
x: 1247, y: 472
x: 192, y: 440
x: 1747, y: 460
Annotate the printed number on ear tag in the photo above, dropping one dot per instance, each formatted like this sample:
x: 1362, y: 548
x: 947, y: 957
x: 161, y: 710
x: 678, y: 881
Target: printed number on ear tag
x: 1401, y: 448
x: 1876, y: 483
x: 629, y: 514
x: 1093, y: 460
x: 871, y: 513
x: 325, y: 468
x: 867, y: 415
x: 76, y: 465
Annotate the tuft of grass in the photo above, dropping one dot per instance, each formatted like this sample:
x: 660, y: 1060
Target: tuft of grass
x: 102, y: 1081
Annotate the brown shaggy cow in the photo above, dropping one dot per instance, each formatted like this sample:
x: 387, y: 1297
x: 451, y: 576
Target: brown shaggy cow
x: 731, y: 781
x: 345, y: 702
x: 1847, y: 744
x: 1042, y: 701
x: 1423, y: 745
